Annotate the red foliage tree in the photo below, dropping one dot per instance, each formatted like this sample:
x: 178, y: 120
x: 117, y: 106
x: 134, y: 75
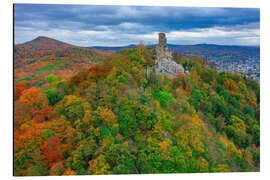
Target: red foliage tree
x: 42, y: 114
x: 51, y: 151
x: 18, y: 89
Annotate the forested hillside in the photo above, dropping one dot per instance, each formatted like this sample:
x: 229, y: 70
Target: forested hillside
x: 36, y: 59
x: 114, y: 118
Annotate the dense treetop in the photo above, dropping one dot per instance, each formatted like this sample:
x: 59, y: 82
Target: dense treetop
x: 113, y: 118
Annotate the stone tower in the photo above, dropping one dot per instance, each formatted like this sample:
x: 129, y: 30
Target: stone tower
x: 162, y: 48
x: 164, y: 62
x: 162, y: 41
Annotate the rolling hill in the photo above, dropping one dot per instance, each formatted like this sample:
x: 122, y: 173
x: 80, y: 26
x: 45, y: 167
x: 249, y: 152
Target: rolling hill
x: 37, y: 58
x: 44, y: 48
x: 43, y: 43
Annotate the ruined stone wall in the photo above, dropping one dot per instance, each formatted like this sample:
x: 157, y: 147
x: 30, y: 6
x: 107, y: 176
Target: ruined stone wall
x: 164, y: 62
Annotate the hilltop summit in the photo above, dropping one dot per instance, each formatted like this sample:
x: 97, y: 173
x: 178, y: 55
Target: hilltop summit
x: 44, y: 43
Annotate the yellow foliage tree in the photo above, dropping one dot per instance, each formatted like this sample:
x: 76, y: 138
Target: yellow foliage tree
x: 99, y: 165
x: 165, y: 144
x: 107, y: 115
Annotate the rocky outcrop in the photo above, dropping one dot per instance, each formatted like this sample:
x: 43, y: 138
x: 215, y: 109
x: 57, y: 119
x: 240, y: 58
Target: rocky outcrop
x: 164, y: 62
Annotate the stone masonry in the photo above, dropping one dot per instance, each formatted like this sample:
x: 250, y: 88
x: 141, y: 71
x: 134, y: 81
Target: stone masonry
x: 164, y: 63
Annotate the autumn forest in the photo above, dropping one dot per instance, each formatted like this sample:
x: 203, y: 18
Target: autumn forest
x: 84, y: 111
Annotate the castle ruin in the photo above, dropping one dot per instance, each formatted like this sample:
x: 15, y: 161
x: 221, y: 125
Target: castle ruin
x: 164, y: 62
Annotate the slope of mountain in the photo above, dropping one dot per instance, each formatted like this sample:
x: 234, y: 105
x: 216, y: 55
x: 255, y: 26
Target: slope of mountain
x: 113, y: 118
x: 44, y: 48
x: 42, y: 56
x: 43, y: 43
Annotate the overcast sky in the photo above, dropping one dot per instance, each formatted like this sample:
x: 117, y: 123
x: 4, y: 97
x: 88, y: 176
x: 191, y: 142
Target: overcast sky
x: 89, y: 25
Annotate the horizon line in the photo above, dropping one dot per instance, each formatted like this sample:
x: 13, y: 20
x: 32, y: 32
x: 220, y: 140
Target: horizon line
x: 134, y: 44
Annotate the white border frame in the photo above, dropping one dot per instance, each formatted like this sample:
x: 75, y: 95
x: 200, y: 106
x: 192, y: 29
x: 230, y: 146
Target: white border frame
x: 7, y: 86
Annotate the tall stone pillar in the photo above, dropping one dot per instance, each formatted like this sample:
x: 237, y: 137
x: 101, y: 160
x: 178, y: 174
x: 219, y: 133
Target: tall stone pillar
x: 162, y: 40
x: 164, y: 61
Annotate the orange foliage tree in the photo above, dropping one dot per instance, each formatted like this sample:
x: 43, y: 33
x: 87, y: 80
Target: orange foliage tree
x: 51, y: 150
x: 18, y: 89
x: 33, y: 97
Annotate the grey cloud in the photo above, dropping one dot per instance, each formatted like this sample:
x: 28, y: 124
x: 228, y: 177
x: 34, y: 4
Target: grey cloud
x: 94, y: 24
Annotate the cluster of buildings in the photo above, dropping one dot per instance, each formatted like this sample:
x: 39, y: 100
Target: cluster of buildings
x: 249, y: 68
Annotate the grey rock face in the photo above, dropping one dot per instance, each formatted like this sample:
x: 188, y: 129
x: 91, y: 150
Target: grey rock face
x: 164, y: 62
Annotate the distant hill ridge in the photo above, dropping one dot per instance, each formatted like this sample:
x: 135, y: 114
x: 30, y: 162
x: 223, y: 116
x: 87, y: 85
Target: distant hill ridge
x: 42, y: 48
x: 114, y: 47
x: 211, y: 51
x: 44, y: 43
